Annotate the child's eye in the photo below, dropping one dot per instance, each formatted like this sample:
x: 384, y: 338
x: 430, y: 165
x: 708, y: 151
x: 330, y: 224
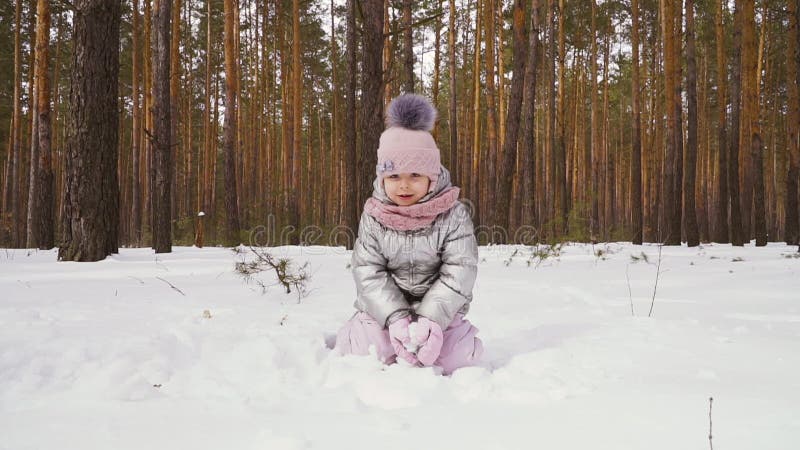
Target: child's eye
x: 415, y: 175
x: 394, y: 177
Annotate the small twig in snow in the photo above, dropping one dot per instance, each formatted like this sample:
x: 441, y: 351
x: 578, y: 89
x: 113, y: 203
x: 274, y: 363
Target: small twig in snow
x: 172, y: 286
x: 137, y: 279
x: 655, y: 286
x: 710, y: 402
x: 630, y: 294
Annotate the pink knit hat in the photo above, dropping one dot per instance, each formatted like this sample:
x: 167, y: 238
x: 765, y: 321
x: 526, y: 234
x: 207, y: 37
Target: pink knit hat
x: 407, y: 146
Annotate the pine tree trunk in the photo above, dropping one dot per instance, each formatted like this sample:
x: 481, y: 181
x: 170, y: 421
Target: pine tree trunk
x: 607, y: 163
x: 31, y: 223
x: 372, y: 98
x: 351, y: 212
x: 721, y: 229
x: 677, y: 161
x: 793, y: 80
x: 5, y: 201
x: 45, y: 203
x: 408, y: 48
x: 92, y: 191
x: 162, y: 126
x: 296, y: 216
x: 690, y: 161
x: 671, y: 234
x: 136, y: 194
x: 437, y: 63
x: 561, y: 153
x: 491, y: 109
x: 13, y: 194
x: 593, y: 149
x: 231, y: 72
x: 472, y: 183
x: 737, y: 237
x: 389, y: 55
x: 552, y: 182
x: 753, y: 198
x: 207, y: 160
x: 147, y: 158
x: 636, y: 152
x: 747, y: 76
x: 453, y: 94
x: 501, y: 84
x: 528, y: 138
x: 177, y: 152
x: 286, y: 119
x: 331, y: 205
x: 40, y: 194
x: 506, y: 169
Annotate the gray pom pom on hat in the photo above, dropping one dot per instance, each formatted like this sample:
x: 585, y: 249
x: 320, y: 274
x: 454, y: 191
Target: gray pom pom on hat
x: 411, y: 111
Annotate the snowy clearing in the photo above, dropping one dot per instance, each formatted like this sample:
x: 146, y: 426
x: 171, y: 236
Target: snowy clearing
x: 175, y: 351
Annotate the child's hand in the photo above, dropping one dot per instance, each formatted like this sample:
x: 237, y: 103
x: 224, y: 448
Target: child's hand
x: 430, y: 338
x: 400, y: 339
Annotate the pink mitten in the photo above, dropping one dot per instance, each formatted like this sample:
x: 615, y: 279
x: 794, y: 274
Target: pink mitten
x: 430, y: 338
x: 400, y: 339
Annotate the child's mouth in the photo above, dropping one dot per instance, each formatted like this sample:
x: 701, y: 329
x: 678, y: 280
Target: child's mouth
x: 406, y: 195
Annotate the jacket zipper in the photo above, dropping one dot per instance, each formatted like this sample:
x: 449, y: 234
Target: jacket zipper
x: 411, y: 253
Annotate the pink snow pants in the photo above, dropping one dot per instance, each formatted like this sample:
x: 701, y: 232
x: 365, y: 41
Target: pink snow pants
x: 461, y: 347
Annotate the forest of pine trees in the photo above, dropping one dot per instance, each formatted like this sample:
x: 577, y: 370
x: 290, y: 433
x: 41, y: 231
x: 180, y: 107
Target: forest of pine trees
x: 174, y: 122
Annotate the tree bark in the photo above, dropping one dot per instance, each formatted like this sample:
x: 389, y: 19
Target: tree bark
x: 40, y: 194
x: 372, y: 100
x: 472, y: 183
x: 721, y: 229
x: 797, y: 71
x: 147, y: 158
x: 753, y: 198
x: 636, y: 152
x: 528, y: 144
x: 297, y: 118
x: 92, y: 192
x: 747, y: 76
x: 437, y: 62
x: 552, y: 161
x: 208, y: 161
x: 13, y: 194
x: 453, y: 94
x: 162, y: 128
x: 491, y: 108
x: 561, y: 151
x: 408, y: 48
x: 677, y: 105
x: 506, y: 169
x: 176, y: 147
x: 793, y: 79
x: 593, y: 172
x: 737, y: 237
x: 44, y: 203
x: 136, y: 194
x: 231, y: 123
x: 690, y: 160
x: 351, y: 195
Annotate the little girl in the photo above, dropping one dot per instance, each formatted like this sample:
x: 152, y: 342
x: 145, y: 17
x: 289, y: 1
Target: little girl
x: 415, y: 259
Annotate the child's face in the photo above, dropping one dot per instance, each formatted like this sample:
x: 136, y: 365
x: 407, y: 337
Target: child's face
x: 405, y: 189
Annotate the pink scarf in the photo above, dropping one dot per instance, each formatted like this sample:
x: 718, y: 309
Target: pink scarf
x: 413, y: 217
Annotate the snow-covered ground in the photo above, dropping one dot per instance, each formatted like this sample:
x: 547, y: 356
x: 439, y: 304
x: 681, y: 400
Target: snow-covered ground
x: 109, y: 355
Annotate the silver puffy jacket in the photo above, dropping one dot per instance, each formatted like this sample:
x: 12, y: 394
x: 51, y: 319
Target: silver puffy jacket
x: 428, y: 272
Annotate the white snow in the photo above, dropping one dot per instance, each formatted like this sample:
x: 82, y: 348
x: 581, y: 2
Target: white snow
x: 175, y: 351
